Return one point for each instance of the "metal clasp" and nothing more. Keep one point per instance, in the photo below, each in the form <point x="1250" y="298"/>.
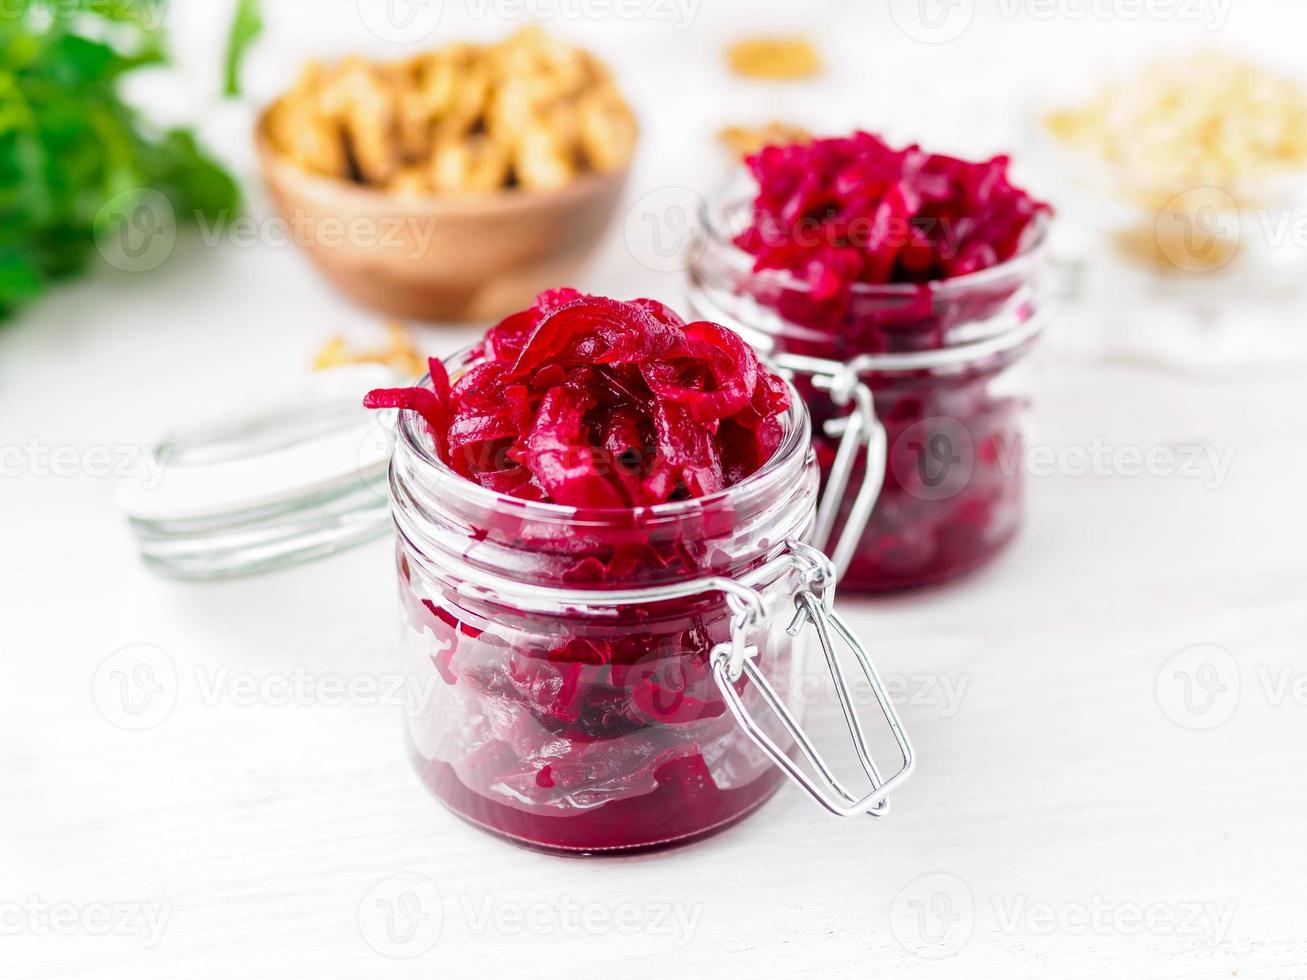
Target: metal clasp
<point x="813" y="603"/>
<point x="859" y="432"/>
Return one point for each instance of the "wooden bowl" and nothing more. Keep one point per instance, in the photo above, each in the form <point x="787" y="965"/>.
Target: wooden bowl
<point x="455" y="258"/>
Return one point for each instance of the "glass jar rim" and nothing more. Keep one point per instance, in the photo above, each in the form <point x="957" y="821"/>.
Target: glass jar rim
<point x="773" y="475"/>
<point x="713" y="208"/>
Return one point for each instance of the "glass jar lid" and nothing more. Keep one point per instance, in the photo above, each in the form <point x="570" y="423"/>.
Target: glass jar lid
<point x="281" y="483"/>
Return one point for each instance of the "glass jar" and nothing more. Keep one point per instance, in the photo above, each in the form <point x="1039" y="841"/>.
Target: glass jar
<point x="610" y="680"/>
<point x="919" y="395"/>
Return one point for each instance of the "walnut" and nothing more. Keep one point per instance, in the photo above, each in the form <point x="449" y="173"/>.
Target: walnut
<point x="544" y="159"/>
<point x="468" y="164"/>
<point x="744" y="141"/>
<point x="465" y="118"/>
<point x="360" y="97"/>
<point x="300" y="130"/>
<point x="774" y="58"/>
<point x="607" y="131"/>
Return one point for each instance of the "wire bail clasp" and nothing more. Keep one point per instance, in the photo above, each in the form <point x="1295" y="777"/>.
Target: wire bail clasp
<point x="813" y="602"/>
<point x="859" y="432"/>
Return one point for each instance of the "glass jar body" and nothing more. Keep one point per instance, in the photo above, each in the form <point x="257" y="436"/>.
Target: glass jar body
<point x="948" y="366"/>
<point x="561" y="682"/>
<point x="953" y="491"/>
<point x="585" y="730"/>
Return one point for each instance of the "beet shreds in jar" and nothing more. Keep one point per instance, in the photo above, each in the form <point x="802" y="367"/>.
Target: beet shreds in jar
<point x="601" y="513"/>
<point x="919" y="276"/>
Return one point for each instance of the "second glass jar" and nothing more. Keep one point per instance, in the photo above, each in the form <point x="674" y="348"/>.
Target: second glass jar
<point x="947" y="365"/>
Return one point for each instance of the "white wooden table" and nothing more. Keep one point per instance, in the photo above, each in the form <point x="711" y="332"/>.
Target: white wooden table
<point x="1078" y="810"/>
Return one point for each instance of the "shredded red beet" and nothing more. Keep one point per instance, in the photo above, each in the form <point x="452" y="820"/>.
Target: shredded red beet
<point x="591" y="402"/>
<point x="854" y="210"/>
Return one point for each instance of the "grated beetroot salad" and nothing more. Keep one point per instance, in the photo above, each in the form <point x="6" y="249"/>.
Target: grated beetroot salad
<point x="835" y="212"/>
<point x="592" y="726"/>
<point x="591" y="402"/>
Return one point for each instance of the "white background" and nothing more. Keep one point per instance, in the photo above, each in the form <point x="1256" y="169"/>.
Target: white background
<point x="1070" y="817"/>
